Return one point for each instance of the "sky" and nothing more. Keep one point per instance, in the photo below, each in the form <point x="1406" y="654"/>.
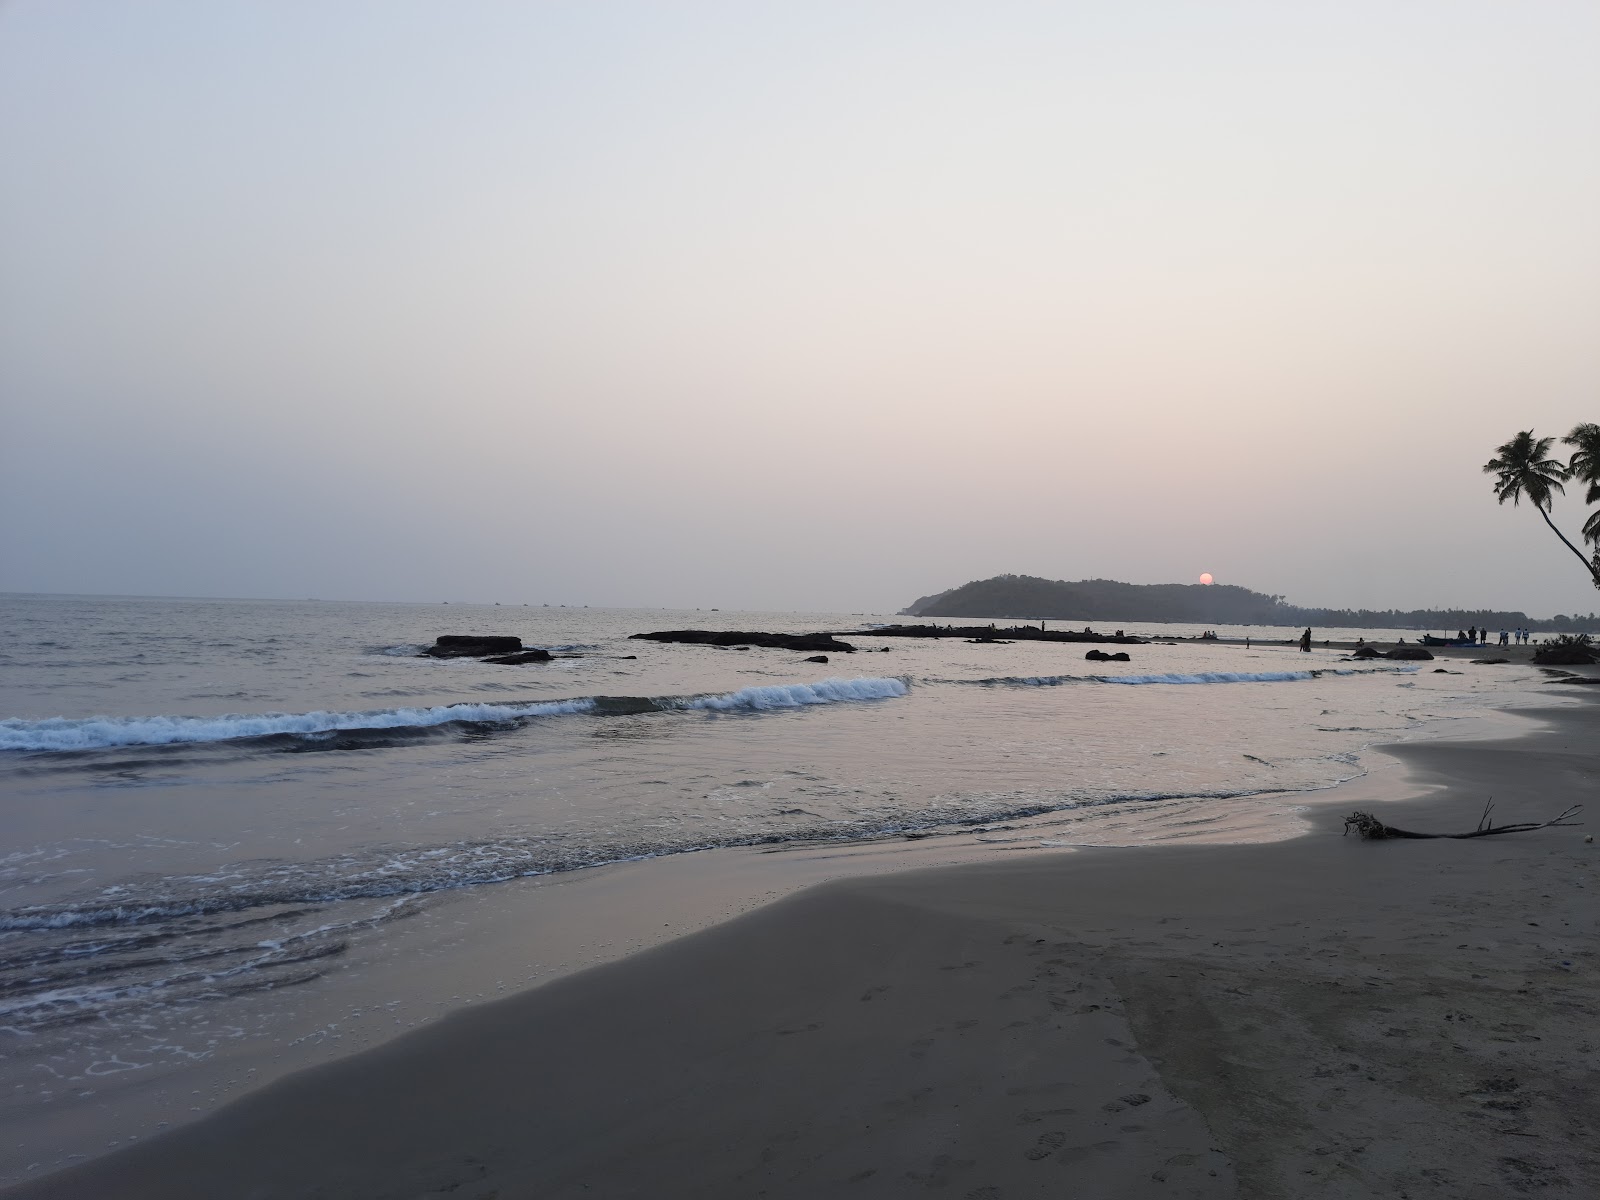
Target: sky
<point x="818" y="306"/>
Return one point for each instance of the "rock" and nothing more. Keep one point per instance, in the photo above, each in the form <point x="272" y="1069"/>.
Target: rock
<point x="1368" y="652"/>
<point x="821" y="658"/>
<point x="743" y="641"/>
<point x="1409" y="654"/>
<point x="456" y="645"/>
<point x="1489" y="662"/>
<point x="1020" y="633"/>
<point x="527" y="656"/>
<point x="1559" y="655"/>
<point x="984" y="641"/>
<point x="1102" y="656"/>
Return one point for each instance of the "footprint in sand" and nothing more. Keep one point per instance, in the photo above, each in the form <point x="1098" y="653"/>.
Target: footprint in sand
<point x="1047" y="1145"/>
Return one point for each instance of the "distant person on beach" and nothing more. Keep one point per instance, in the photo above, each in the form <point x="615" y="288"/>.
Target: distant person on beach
<point x="1305" y="642"/>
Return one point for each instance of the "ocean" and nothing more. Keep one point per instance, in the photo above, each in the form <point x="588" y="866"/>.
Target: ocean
<point x="220" y="813"/>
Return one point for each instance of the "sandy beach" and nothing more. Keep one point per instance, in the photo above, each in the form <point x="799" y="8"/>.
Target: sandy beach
<point x="1317" y="1017"/>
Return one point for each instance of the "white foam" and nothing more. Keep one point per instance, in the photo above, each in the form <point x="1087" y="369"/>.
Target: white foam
<point x="91" y="733"/>
<point x="95" y="733"/>
<point x="796" y="695"/>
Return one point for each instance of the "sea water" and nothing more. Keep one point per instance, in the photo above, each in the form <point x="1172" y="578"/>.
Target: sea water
<point x="211" y="801"/>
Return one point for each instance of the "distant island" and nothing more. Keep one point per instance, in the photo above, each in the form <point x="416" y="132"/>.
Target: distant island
<point x="1029" y="598"/>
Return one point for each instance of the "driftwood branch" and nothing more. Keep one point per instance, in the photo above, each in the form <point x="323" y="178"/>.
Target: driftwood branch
<point x="1368" y="826"/>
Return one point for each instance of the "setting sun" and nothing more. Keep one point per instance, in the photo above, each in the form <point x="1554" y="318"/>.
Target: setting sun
<point x="1206" y="578"/>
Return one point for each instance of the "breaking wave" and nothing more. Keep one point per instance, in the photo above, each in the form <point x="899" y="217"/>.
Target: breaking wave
<point x="795" y="695"/>
<point x="94" y="733"/>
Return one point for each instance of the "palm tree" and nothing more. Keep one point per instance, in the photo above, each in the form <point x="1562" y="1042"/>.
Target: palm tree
<point x="1585" y="467"/>
<point x="1523" y="467"/>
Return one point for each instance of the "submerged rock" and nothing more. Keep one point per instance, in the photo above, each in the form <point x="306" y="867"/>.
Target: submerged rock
<point x="1102" y="656"/>
<point x="821" y="658"/>
<point x="1368" y="652"/>
<point x="1409" y="654"/>
<point x="457" y="645"/>
<point x="527" y="656"/>
<point x="743" y="640"/>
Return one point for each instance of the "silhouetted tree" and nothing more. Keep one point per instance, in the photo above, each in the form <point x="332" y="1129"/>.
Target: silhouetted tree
<point x="1523" y="467"/>
<point x="1585" y="467"/>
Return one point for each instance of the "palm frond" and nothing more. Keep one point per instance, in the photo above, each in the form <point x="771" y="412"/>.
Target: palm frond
<point x="1523" y="467"/>
<point x="1585" y="461"/>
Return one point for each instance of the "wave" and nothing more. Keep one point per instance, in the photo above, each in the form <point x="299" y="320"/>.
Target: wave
<point x="288" y="889"/>
<point x="796" y="695"/>
<point x="95" y="733"/>
<point x="1198" y="677"/>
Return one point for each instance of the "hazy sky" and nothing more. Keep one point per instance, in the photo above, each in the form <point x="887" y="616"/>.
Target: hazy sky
<point x="807" y="305"/>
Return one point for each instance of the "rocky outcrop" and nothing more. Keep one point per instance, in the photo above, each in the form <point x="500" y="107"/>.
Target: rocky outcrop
<point x="1102" y="656"/>
<point x="1570" y="654"/>
<point x="1020" y="633"/>
<point x="527" y="656"/>
<point x="1402" y="653"/>
<point x="818" y="658"/>
<point x="743" y="640"/>
<point x="457" y="645"/>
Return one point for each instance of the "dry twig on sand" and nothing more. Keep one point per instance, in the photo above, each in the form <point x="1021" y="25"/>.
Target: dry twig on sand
<point x="1368" y="826"/>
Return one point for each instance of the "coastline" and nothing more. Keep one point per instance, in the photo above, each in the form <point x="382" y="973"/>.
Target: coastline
<point x="1305" y="1017"/>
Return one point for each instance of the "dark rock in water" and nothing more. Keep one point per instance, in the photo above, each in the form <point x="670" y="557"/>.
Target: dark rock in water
<point x="1102" y="656"/>
<point x="983" y="641"/>
<point x="1564" y="656"/>
<point x="527" y="656"/>
<point x="456" y="645"/>
<point x="1489" y="662"/>
<point x="822" y="658"/>
<point x="743" y="641"/>
<point x="1020" y="633"/>
<point x="1368" y="652"/>
<point x="1409" y="654"/>
<point x="627" y="656"/>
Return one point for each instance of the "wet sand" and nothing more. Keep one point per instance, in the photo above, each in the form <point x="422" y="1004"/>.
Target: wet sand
<point x="1318" y="1017"/>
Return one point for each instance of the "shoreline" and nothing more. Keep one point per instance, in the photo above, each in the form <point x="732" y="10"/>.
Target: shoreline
<point x="989" y="1024"/>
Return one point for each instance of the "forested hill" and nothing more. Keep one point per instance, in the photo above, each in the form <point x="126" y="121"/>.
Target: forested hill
<point x="1027" y="598"/>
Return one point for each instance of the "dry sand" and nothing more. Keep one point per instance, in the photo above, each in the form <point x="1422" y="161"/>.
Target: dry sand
<point x="1319" y="1017"/>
